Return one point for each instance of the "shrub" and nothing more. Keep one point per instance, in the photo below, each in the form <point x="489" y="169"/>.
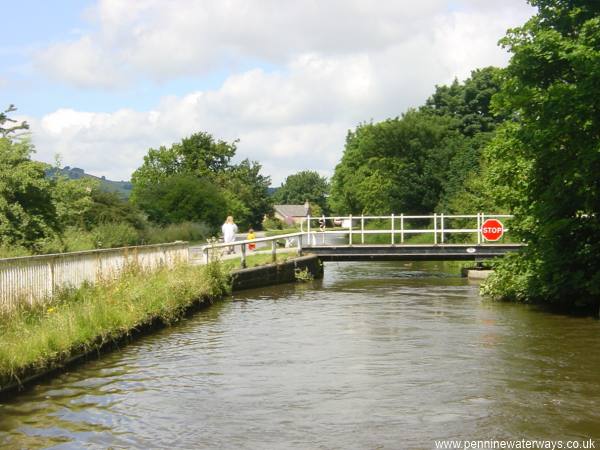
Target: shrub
<point x="185" y="231"/>
<point x="513" y="279"/>
<point x="111" y="235"/>
<point x="272" y="223"/>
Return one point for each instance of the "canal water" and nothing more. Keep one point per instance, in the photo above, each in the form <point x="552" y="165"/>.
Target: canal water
<point x="375" y="355"/>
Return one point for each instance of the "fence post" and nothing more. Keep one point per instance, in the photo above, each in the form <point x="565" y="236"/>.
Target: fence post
<point x="274" y="250"/>
<point x="299" y="245"/>
<point x="51" y="277"/>
<point x="350" y="236"/>
<point x="243" y="262"/>
<point x="362" y="228"/>
<point x="402" y="228"/>
<point x="478" y="228"/>
<point x="435" y="231"/>
<point x="393" y="230"/>
<point x="442" y="225"/>
<point x="205" y="250"/>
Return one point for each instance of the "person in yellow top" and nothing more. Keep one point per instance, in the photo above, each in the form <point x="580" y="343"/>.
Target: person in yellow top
<point x="251" y="236"/>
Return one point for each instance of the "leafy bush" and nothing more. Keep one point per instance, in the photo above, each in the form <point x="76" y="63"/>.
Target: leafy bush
<point x="272" y="223"/>
<point x="111" y="235"/>
<point x="185" y="231"/>
<point x="13" y="251"/>
<point x="513" y="279"/>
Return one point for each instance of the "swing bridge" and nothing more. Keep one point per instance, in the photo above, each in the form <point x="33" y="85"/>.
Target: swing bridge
<point x="432" y="237"/>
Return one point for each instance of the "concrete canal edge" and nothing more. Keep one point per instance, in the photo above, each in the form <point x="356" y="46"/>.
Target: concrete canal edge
<point x="277" y="273"/>
<point x="476" y="274"/>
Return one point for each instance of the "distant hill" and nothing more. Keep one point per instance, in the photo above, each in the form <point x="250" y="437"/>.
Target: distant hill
<point x="74" y="173"/>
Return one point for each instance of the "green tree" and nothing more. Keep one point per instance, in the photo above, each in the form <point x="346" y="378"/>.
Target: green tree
<point x="303" y="186"/>
<point x="199" y="155"/>
<point x="398" y="165"/>
<point x="27" y="211"/>
<point x="72" y="199"/>
<point x="241" y="189"/>
<point x="469" y="102"/>
<point x="247" y="192"/>
<point x="548" y="157"/>
<point x="183" y="197"/>
<point x="110" y="207"/>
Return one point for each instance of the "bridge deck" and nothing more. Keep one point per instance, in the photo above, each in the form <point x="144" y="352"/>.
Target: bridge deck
<point x="440" y="252"/>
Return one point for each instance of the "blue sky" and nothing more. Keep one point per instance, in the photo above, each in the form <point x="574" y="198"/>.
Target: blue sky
<point x="101" y="81"/>
<point x="31" y="26"/>
<point x="59" y="20"/>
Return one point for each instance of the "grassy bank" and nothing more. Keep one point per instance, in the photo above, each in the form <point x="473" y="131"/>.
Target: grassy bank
<point x="260" y="259"/>
<point x="80" y="320"/>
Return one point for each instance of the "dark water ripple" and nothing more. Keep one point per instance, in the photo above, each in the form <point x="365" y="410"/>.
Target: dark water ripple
<point x="374" y="356"/>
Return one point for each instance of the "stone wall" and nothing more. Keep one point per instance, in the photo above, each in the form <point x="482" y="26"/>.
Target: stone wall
<point x="277" y="273"/>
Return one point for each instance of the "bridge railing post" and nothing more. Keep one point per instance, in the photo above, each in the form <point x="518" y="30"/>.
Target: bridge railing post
<point x="362" y="229"/>
<point x="478" y="228"/>
<point x="393" y="229"/>
<point x="442" y="228"/>
<point x="435" y="231"/>
<point x="308" y="228"/>
<point x="243" y="261"/>
<point x="402" y="228"/>
<point x="274" y="250"/>
<point x="299" y="245"/>
<point x="350" y="235"/>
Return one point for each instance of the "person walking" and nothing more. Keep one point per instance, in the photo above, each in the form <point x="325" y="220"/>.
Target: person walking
<point x="229" y="229"/>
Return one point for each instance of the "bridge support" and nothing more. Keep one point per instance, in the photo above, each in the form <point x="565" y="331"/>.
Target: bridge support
<point x="446" y="252"/>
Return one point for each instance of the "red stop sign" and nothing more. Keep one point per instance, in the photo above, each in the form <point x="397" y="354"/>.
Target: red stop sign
<point x="492" y="229"/>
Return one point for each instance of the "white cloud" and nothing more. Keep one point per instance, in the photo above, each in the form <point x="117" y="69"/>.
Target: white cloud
<point x="82" y="63"/>
<point x="160" y="40"/>
<point x="334" y="64"/>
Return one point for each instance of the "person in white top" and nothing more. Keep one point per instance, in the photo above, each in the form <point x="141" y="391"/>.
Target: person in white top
<point x="229" y="229"/>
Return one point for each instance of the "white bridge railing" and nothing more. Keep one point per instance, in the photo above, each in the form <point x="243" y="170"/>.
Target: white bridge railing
<point x="313" y="233"/>
<point x="440" y="226"/>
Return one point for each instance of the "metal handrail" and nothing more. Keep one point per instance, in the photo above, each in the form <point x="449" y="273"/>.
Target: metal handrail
<point x="439" y="231"/>
<point x="273" y="239"/>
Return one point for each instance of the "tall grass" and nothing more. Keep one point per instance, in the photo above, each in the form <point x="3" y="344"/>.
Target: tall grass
<point x="185" y="231"/>
<point x="111" y="235"/>
<point x="79" y="320"/>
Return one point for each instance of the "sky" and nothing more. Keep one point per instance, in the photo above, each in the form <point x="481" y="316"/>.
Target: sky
<point x="101" y="82"/>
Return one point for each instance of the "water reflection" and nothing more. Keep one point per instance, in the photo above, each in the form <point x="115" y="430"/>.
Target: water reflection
<point x="376" y="355"/>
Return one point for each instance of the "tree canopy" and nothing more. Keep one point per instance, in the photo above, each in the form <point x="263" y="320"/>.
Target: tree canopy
<point x="306" y="185"/>
<point x="424" y="160"/>
<point x="547" y="157"/>
<point x="27" y="211"/>
<point x="394" y="166"/>
<point x="202" y="165"/>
